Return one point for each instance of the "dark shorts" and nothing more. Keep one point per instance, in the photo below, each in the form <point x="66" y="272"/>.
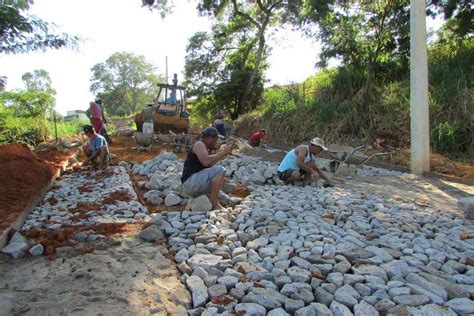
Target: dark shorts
<point x="254" y="143"/>
<point x="286" y="175"/>
<point x="221" y="129"/>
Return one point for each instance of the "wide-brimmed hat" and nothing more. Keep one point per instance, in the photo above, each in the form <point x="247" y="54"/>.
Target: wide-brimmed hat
<point x="319" y="142"/>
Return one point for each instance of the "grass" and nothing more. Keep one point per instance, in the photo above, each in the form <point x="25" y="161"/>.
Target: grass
<point x="347" y="106"/>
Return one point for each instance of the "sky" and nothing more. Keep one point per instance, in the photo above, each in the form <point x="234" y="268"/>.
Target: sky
<point x="110" y="26"/>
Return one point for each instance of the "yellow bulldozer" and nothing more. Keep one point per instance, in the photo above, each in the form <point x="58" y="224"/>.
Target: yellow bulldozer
<point x="168" y="111"/>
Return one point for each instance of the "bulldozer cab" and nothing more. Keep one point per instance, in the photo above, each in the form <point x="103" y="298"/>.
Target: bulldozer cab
<point x="168" y="111"/>
<point x="171" y="100"/>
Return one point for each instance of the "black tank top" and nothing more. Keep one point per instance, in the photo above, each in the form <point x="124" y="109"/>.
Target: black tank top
<point x="191" y="166"/>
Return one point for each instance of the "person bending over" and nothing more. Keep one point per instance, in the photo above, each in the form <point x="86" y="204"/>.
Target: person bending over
<point x="96" y="150"/>
<point x="299" y="163"/>
<point x="200" y="176"/>
<point x="259" y="137"/>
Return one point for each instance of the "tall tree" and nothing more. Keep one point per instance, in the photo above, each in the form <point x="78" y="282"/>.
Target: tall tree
<point x="125" y="82"/>
<point x="371" y="35"/>
<point x="38" y="80"/>
<point x="218" y="66"/>
<point x="22" y="33"/>
<point x="259" y="15"/>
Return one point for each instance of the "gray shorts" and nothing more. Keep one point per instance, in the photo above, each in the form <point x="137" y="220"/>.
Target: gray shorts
<point x="200" y="182"/>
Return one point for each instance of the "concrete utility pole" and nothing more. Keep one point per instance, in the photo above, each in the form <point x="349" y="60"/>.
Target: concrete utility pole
<point x="420" y="126"/>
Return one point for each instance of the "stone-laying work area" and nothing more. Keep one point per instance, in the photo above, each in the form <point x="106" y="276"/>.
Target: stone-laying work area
<point x="281" y="250"/>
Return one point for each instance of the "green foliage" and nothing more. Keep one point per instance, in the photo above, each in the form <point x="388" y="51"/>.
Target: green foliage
<point x="21" y="129"/>
<point x="67" y="128"/>
<point x="27" y="103"/>
<point x="449" y="138"/>
<point x="342" y="103"/>
<point x="218" y="67"/>
<point x="230" y="62"/>
<point x="125" y="83"/>
<point x="21" y="33"/>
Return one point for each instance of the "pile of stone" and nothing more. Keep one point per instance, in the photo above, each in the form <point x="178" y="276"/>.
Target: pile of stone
<point x="292" y="250"/>
<point x="251" y="170"/>
<point x="83" y="199"/>
<point x="123" y="131"/>
<point x="164" y="184"/>
<point x="164" y="172"/>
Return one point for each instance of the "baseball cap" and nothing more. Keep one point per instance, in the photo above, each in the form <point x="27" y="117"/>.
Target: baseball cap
<point x="88" y="128"/>
<point x="319" y="142"/>
<point x="209" y="131"/>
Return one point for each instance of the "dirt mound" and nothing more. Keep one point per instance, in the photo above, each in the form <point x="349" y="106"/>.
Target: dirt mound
<point x="23" y="176"/>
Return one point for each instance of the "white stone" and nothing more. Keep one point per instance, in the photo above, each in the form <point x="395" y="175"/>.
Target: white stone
<point x="198" y="290"/>
<point x="204" y="261"/>
<point x="251" y="309"/>
<point x="201" y="203"/>
<point x="16" y="247"/>
<point x="172" y="199"/>
<point x="36" y="250"/>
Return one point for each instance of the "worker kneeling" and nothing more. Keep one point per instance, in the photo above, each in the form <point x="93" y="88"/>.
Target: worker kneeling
<point x="299" y="163"/>
<point x="200" y="176"/>
<point x="96" y="150"/>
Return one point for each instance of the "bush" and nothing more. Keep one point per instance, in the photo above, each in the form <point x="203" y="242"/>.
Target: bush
<point x="348" y="106"/>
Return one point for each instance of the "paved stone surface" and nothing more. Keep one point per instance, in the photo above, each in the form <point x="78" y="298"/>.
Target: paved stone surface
<point x="302" y="250"/>
<point x="355" y="252"/>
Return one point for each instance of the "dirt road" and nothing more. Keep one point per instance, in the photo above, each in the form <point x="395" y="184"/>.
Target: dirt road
<point x="127" y="277"/>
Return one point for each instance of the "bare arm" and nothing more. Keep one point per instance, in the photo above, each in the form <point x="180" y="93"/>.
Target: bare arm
<point x="208" y="160"/>
<point x="322" y="174"/>
<point x="313" y="169"/>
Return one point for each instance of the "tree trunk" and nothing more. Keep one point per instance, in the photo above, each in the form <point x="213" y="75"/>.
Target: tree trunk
<point x="248" y="86"/>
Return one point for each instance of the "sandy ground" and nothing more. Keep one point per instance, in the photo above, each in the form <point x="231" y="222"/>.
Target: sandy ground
<point x="433" y="193"/>
<point x="128" y="277"/>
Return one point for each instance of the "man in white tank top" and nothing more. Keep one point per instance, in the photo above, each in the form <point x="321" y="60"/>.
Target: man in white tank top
<point x="299" y="163"/>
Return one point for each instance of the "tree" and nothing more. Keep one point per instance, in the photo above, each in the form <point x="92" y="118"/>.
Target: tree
<point x="125" y="82"/>
<point x="38" y="80"/>
<point x="371" y="35"/>
<point x="259" y="16"/>
<point x="22" y="33"/>
<point x="459" y="14"/>
<point x="218" y="66"/>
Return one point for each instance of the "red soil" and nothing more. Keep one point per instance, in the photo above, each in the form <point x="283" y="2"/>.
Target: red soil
<point x="64" y="237"/>
<point x="22" y="176"/>
<point x="54" y="157"/>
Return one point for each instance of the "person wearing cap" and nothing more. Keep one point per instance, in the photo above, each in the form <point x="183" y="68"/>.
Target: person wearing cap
<point x="200" y="176"/>
<point x="96" y="150"/>
<point x="299" y="163"/>
<point x="257" y="138"/>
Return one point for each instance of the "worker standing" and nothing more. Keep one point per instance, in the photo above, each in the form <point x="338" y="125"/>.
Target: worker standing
<point x="103" y="132"/>
<point x="96" y="117"/>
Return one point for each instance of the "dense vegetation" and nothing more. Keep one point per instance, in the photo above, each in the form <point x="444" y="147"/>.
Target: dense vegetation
<point x="365" y="98"/>
<point x="28" y="116"/>
<point x="344" y="105"/>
